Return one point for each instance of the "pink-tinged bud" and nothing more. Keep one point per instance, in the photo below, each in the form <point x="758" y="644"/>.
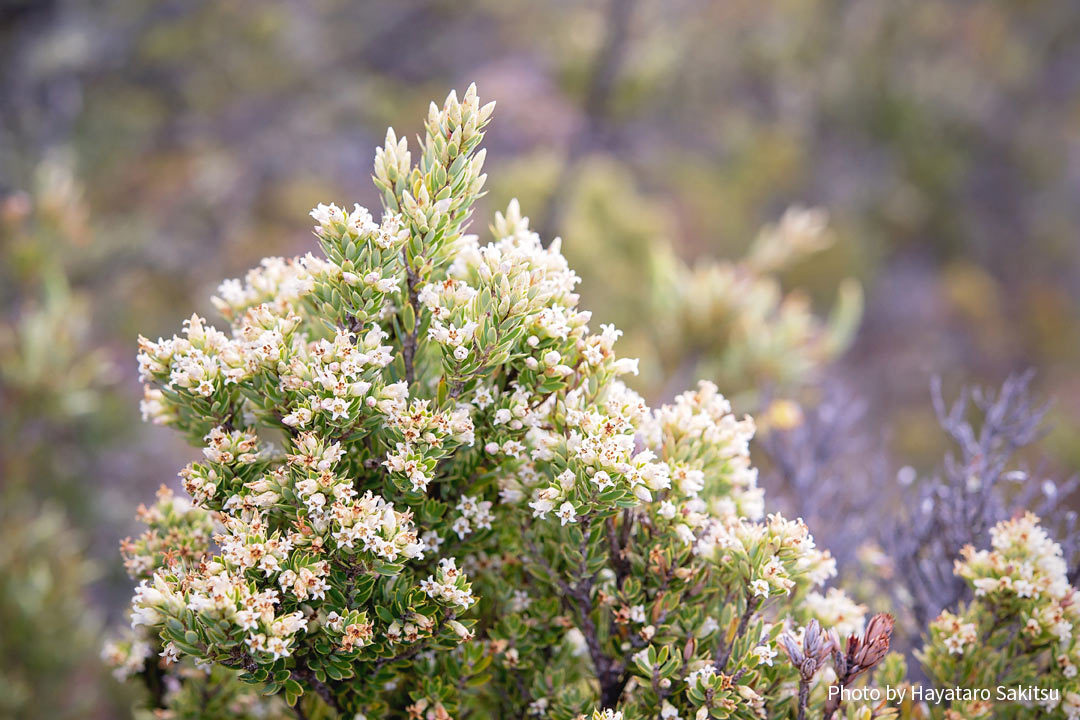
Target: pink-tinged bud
<point x="863" y="654"/>
<point x="462" y="632"/>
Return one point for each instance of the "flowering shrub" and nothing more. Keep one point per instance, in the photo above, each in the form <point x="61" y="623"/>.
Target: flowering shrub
<point x="1017" y="632"/>
<point x="424" y="491"/>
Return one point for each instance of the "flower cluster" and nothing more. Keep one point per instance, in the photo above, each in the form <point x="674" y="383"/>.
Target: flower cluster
<point x="1018" y="629"/>
<point x="416" y="396"/>
<point x="177" y="532"/>
<point x="836" y="610"/>
<point x="126" y="656"/>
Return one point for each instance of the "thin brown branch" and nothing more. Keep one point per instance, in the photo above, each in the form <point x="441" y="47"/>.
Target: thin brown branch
<point x="804" y="698"/>
<point x="303" y="674"/>
<point x="154" y="679"/>
<point x="577" y="599"/>
<point x="616" y="547"/>
<point x="722" y="657"/>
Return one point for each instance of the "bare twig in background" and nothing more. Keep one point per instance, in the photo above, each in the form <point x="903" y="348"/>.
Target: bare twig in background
<point x="828" y="471"/>
<point x="976" y="488"/>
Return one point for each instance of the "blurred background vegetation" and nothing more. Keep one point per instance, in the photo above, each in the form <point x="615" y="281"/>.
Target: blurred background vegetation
<point x="150" y="149"/>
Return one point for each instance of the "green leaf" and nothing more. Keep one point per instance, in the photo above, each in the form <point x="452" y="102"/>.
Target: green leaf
<point x="478" y="680"/>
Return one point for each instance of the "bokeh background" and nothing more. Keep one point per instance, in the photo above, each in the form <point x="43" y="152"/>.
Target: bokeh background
<point x="150" y="149"/>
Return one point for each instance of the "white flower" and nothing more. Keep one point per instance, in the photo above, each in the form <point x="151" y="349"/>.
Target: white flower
<point x="626" y="366"/>
<point x="538" y="706"/>
<point x="520" y="600"/>
<point x="326" y="215"/>
<point x="764" y="654"/>
<point x="298" y="418"/>
<point x="337" y="407"/>
<point x="567" y="513"/>
<point x="541" y="507"/>
<point x="461" y="527"/>
<point x="695" y="678"/>
<point x="482" y="397"/>
<point x="955" y="644"/>
<point x="170" y="653"/>
<point x="608" y="714"/>
<point x="760" y="587"/>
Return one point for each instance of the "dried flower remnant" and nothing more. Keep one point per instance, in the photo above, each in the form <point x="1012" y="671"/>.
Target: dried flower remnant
<point x="861" y="654"/>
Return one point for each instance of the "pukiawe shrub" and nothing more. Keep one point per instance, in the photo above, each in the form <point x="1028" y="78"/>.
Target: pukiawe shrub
<point x="426" y="493"/>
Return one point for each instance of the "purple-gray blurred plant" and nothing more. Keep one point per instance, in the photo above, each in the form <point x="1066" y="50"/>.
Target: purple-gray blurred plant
<point x="818" y="467"/>
<point x="979" y="485"/>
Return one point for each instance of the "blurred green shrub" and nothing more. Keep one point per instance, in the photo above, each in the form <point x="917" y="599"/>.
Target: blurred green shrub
<point x="48" y="633"/>
<point x="732" y="321"/>
<point x="56" y="420"/>
<point x="52" y="372"/>
<point x="729" y="321"/>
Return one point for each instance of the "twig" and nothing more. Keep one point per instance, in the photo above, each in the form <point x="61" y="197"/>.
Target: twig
<point x="153" y="678"/>
<point x="804" y="697"/>
<point x="622" y="567"/>
<point x="577" y="599"/>
<point x="322" y="689"/>
<point x="722" y="657"/>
